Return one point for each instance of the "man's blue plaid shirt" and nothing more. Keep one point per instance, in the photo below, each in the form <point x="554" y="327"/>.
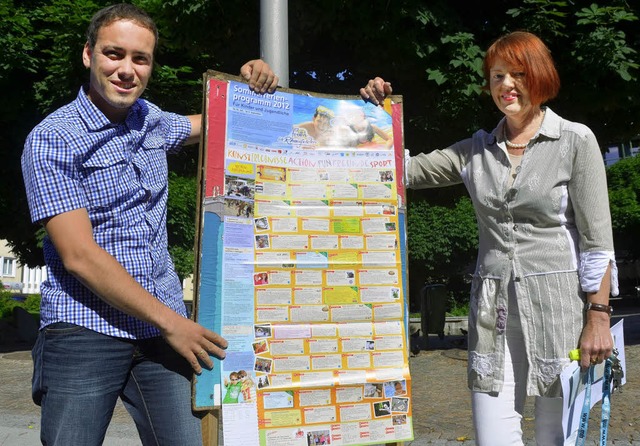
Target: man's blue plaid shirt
<point x="76" y="158"/>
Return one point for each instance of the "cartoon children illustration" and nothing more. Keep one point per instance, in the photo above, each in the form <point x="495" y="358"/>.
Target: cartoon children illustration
<point x="233" y="386"/>
<point x="248" y="387"/>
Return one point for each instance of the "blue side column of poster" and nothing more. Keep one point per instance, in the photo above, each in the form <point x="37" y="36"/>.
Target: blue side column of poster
<point x="209" y="309"/>
<point x="402" y="229"/>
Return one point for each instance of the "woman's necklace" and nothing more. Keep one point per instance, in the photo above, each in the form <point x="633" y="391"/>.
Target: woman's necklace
<point x="514" y="145"/>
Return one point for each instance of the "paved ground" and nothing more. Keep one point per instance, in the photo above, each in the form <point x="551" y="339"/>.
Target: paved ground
<point x="442" y="411"/>
<point x="442" y="407"/>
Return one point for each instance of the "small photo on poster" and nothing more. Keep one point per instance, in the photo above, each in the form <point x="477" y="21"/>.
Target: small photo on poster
<point x="395" y="388"/>
<point x="399" y="419"/>
<point x="386" y="176"/>
<point x="236" y="207"/>
<point x="261" y="223"/>
<point x="239" y="187"/>
<point x="262" y="331"/>
<point x="388" y="209"/>
<point x="319" y="437"/>
<point x="373" y="390"/>
<point x="261" y="278"/>
<point x="271" y="173"/>
<point x="261" y="346"/>
<point x="382" y="408"/>
<point x="262" y="365"/>
<point x="399" y="404"/>
<point x="263" y="382"/>
<point x="262" y="241"/>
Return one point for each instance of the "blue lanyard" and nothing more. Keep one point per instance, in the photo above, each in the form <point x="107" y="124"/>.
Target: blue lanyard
<point x="586" y="407"/>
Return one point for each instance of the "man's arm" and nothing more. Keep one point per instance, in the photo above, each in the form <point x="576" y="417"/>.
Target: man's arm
<point x="72" y="235"/>
<point x="196" y="129"/>
<point x="261" y="79"/>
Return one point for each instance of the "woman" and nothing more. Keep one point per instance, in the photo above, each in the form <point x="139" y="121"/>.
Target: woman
<point x="545" y="263"/>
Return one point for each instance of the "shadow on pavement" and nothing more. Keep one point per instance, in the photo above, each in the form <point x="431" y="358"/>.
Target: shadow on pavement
<point x="12" y="339"/>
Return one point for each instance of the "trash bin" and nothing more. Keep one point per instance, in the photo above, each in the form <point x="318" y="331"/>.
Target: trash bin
<point x="433" y="303"/>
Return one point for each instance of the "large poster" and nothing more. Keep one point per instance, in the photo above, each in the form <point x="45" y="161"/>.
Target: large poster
<point x="301" y="267"/>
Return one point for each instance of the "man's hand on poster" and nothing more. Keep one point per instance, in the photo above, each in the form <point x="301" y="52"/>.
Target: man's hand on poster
<point x="260" y="76"/>
<point x="194" y="342"/>
<point x="376" y="90"/>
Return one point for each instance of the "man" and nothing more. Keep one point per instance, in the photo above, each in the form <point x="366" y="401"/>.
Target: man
<point x="113" y="323"/>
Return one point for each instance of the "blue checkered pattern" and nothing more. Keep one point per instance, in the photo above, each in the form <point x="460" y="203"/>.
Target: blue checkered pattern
<point x="76" y="158"/>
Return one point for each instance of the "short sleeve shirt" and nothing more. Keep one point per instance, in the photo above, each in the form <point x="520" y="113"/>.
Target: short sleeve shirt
<point x="76" y="158"/>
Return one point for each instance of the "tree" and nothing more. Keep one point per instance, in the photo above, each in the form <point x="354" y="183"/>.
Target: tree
<point x="431" y="51"/>
<point x="42" y="43"/>
<point x="181" y="211"/>
<point x="623" y="179"/>
<point x="442" y="245"/>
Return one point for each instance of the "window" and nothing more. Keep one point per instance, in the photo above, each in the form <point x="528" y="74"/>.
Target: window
<point x="8" y="267"/>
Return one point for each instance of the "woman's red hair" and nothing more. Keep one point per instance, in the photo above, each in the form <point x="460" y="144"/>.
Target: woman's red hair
<point x="526" y="50"/>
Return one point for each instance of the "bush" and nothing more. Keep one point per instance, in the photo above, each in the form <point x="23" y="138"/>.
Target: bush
<point x="456" y="306"/>
<point x="32" y="303"/>
<point x="6" y="305"/>
<point x="8" y="302"/>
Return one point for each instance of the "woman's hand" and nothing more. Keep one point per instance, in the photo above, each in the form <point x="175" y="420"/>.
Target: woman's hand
<point x="596" y="342"/>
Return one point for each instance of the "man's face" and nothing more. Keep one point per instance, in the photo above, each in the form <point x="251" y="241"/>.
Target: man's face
<point x="121" y="63"/>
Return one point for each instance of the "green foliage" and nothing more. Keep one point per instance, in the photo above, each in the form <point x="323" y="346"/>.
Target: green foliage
<point x="596" y="49"/>
<point x="17" y="40"/>
<point x="181" y="218"/>
<point x="442" y="246"/>
<point x="457" y="306"/>
<point x="604" y="45"/>
<point x="183" y="260"/>
<point x="32" y="303"/>
<point x="542" y="17"/>
<point x="61" y="25"/>
<point x="444" y="238"/>
<point x="430" y="51"/>
<point x="7" y="304"/>
<point x="624" y="199"/>
<point x="168" y="80"/>
<point x="463" y="73"/>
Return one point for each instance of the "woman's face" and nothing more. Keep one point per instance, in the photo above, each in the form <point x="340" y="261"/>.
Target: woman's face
<point x="508" y="89"/>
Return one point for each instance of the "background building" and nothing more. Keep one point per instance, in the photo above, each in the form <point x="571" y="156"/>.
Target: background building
<point x="614" y="154"/>
<point x="16" y="277"/>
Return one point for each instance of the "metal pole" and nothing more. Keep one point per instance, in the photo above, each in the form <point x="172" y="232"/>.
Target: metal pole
<point x="274" y="37"/>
